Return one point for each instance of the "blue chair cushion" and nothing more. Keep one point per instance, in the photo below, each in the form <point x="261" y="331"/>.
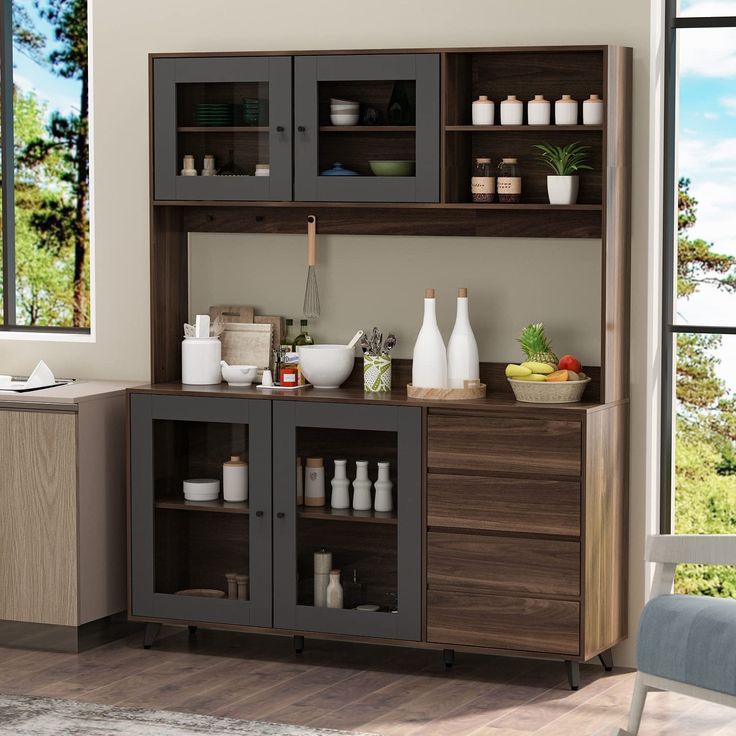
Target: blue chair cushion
<point x="691" y="639"/>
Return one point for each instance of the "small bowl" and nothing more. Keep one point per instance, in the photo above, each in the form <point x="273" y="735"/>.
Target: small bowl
<point x="201" y="489"/>
<point x="326" y="366"/>
<point x="392" y="168"/>
<point x="238" y="375"/>
<point x="337" y="101"/>
<point x="342" y="118"/>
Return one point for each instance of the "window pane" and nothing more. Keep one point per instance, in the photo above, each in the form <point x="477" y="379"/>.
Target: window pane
<point x="706" y="167"/>
<point x="51" y="163"/>
<point x="709" y="8"/>
<point x="705" y="452"/>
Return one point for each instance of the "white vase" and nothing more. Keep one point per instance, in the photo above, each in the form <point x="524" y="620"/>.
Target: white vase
<point x="334" y="590"/>
<point x="362" y="487"/>
<point x="314" y="482"/>
<point x="429" y="361"/>
<point x="462" y="350"/>
<point x="566" y="111"/>
<point x="384" y="498"/>
<point x="483" y="111"/>
<point x="538" y="111"/>
<point x="340" y="498"/>
<point x="593" y="111"/>
<point x="235" y="480"/>
<point x="512" y="111"/>
<point x="563" y="189"/>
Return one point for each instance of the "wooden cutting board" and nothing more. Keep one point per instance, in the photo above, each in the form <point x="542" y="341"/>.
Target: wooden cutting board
<point x="278" y="331"/>
<point x="247" y="344"/>
<point x="232" y="313"/>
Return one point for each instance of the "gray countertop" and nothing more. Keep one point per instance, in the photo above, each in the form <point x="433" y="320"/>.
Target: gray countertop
<point x="67" y="396"/>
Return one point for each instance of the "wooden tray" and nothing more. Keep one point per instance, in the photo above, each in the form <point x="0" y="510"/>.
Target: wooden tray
<point x="472" y="390"/>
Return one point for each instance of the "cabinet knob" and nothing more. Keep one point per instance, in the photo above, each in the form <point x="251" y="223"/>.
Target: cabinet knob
<point x="280" y="515"/>
<point x="280" y="129"/>
<point x="301" y="129"/>
<point x="259" y="513"/>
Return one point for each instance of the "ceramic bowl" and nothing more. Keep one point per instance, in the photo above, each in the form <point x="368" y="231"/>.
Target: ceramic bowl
<point x="239" y="375"/>
<point x="201" y="489"/>
<point x="392" y="168"/>
<point x="342" y="118"/>
<point x="335" y="101"/>
<point x="326" y="366"/>
<point x="347" y="109"/>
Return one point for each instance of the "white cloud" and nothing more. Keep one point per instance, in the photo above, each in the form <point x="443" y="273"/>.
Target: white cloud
<point x="694" y="8"/>
<point x="729" y="103"/>
<point x="708" y="52"/>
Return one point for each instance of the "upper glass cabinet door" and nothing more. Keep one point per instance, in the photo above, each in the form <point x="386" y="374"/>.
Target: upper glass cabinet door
<point x="367" y="128"/>
<point x="222" y="128"/>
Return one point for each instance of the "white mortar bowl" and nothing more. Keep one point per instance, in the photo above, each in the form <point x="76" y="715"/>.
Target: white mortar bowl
<point x="239" y="375"/>
<point x="326" y="366"/>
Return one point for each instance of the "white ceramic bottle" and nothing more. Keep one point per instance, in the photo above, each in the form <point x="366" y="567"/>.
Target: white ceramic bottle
<point x="538" y="111"/>
<point x="512" y="111"/>
<point x="483" y="111"/>
<point x="340" y="498"/>
<point x="314" y="482"/>
<point x="429" y="363"/>
<point x="384" y="499"/>
<point x="462" y="350"/>
<point x="235" y="480"/>
<point x="334" y="590"/>
<point x="593" y="111"/>
<point x="566" y="111"/>
<point x="362" y="487"/>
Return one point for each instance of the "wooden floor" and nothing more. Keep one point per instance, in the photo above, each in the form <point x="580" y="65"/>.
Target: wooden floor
<point x="390" y="691"/>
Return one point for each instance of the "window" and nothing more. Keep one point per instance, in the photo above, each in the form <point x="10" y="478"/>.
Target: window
<point x="699" y="286"/>
<point x="45" y="280"/>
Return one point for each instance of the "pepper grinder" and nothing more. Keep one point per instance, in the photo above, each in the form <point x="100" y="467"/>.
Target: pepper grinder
<point x="242" y="581"/>
<point x="232" y="585"/>
<point x="322" y="567"/>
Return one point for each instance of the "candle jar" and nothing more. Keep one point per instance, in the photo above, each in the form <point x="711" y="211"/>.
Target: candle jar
<point x="483" y="181"/>
<point x="314" y="482"/>
<point x="509" y="181"/>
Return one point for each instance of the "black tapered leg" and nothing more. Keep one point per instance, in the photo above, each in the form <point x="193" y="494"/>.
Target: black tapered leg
<point x="448" y="656"/>
<point x="192" y="630"/>
<point x="606" y="659"/>
<point x="298" y="644"/>
<point x="150" y="634"/>
<point x="573" y="674"/>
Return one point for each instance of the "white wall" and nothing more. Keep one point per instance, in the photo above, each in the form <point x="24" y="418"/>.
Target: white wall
<point x="123" y="33"/>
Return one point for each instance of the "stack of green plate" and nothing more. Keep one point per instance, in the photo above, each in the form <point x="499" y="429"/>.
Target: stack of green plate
<point x="213" y="114"/>
<point x="250" y="111"/>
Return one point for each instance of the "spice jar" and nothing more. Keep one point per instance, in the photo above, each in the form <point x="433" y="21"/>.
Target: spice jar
<point x="509" y="181"/>
<point x="483" y="181"/>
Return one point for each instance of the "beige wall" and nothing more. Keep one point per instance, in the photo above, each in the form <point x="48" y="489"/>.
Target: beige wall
<point x="124" y="33"/>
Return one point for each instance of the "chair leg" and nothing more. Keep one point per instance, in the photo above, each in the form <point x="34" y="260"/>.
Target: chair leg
<point x="637" y="706"/>
<point x="150" y="634"/>
<point x="606" y="659"/>
<point x="573" y="674"/>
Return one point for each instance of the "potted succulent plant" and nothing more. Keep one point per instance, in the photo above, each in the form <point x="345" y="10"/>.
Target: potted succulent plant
<point x="565" y="161"/>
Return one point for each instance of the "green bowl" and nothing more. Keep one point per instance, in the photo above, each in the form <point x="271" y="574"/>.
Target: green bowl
<point x="392" y="168"/>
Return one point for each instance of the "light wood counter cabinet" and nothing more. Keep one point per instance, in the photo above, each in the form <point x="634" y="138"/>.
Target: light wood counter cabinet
<point x="62" y="526"/>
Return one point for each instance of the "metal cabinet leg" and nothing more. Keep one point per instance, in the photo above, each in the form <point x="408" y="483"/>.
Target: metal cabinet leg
<point x="298" y="644"/>
<point x="448" y="656"/>
<point x="606" y="659"/>
<point x="150" y="634"/>
<point x="573" y="674"/>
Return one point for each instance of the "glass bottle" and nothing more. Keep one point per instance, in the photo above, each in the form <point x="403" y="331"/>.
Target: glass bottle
<point x="303" y="338"/>
<point x="483" y="181"/>
<point x="334" y="590"/>
<point x="286" y="339"/>
<point x="508" y="182"/>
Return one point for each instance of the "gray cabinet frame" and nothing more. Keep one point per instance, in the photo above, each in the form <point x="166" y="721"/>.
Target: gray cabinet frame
<point x="407" y="423"/>
<point x="167" y="74"/>
<point x="309" y="71"/>
<point x="145" y="601"/>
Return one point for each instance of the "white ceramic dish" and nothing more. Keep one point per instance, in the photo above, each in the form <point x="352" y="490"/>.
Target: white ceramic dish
<point x="238" y="375"/>
<point x="337" y="101"/>
<point x="201" y="489"/>
<point x="341" y="118"/>
<point x="326" y="366"/>
<point x="369" y="607"/>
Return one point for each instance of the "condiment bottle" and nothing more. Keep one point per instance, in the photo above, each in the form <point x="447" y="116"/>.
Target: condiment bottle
<point x="508" y="182"/>
<point x="483" y="111"/>
<point x="483" y="181"/>
<point x="303" y="338"/>
<point x="334" y="590"/>
<point x="287" y="341"/>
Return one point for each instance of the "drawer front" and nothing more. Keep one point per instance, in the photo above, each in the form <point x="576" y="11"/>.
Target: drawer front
<point x="503" y="622"/>
<point x="504" y="504"/>
<point x="488" y="445"/>
<point x="503" y="564"/>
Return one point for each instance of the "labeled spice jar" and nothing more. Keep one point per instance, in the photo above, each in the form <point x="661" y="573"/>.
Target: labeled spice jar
<point x="483" y="181"/>
<point x="508" y="183"/>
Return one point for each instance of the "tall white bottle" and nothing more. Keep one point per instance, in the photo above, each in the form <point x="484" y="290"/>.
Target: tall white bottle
<point x="429" y="364"/>
<point x="462" y="350"/>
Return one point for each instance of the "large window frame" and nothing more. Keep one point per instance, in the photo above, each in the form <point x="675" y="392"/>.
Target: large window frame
<point x="670" y="329"/>
<point x="7" y="159"/>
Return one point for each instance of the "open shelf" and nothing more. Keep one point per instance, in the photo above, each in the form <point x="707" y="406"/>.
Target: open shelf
<point x="367" y="128"/>
<point x="223" y="129"/>
<point x="218" y="506"/>
<point x="519" y="128"/>
<point x="330" y="514"/>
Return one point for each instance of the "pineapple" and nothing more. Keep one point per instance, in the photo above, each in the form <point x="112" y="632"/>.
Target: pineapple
<point x="536" y="345"/>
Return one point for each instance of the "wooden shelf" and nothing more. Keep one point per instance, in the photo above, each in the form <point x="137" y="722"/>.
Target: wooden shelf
<point x="524" y="206"/>
<point x="329" y="514"/>
<point x="218" y="506"/>
<point x="367" y="128"/>
<point x="223" y="129"/>
<point x="520" y="128"/>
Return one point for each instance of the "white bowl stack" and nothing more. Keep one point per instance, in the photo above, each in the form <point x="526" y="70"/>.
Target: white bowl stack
<point x="344" y="112"/>
<point x="201" y="489"/>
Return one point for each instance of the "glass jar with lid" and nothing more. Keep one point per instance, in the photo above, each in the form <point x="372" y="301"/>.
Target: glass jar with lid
<point x="483" y="181"/>
<point x="509" y="181"/>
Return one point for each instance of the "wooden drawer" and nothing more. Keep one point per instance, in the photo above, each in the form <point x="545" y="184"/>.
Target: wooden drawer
<point x="503" y="622"/>
<point x="504" y="504"/>
<point x="503" y="564"/>
<point x="487" y="445"/>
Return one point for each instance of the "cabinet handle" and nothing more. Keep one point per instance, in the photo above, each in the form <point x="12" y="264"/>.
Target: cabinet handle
<point x="259" y="513"/>
<point x="280" y="129"/>
<point x="301" y="129"/>
<point x="280" y="515"/>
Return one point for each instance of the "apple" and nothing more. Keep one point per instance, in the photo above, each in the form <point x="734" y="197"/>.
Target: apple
<point x="570" y="363"/>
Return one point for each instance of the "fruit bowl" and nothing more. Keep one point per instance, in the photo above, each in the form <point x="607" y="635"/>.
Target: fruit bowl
<point x="547" y="392"/>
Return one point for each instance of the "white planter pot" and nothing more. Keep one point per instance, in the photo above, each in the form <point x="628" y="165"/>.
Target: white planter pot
<point x="563" y="189"/>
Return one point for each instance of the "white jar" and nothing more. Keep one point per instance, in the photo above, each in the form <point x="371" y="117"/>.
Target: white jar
<point x="362" y="487"/>
<point x="566" y="111"/>
<point x="340" y="498"/>
<point x="512" y="111"/>
<point x="538" y="111"/>
<point x="384" y="499"/>
<point x="235" y="480"/>
<point x="200" y="361"/>
<point x="334" y="590"/>
<point x="593" y="111"/>
<point x="483" y="111"/>
<point x="314" y="482"/>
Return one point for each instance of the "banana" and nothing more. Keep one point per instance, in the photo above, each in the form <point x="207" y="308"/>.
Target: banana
<point x="544" y="368"/>
<point x="517" y="371"/>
